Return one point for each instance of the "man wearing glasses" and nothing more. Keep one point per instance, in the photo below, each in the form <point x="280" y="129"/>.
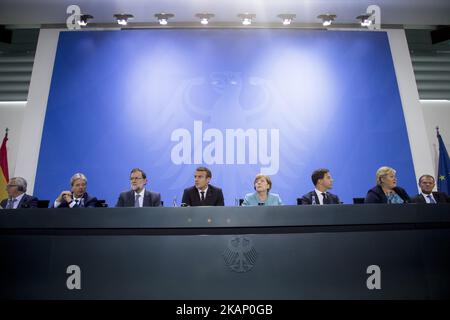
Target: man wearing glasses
<point x="17" y="197"/>
<point x="138" y="196"/>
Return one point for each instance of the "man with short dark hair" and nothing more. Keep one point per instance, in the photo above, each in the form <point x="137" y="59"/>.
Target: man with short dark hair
<point x="76" y="197"/>
<point x="138" y="196"/>
<point x="203" y="193"/>
<point x="17" y="197"/>
<point x="323" y="181"/>
<point x="426" y="184"/>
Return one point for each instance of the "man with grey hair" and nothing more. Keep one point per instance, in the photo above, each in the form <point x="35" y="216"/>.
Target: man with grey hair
<point x="427" y="195"/>
<point x="77" y="197"/>
<point x="17" y="197"/>
<point x="138" y="196"/>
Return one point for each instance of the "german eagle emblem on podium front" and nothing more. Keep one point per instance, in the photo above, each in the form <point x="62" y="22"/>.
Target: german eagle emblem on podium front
<point x="240" y="256"/>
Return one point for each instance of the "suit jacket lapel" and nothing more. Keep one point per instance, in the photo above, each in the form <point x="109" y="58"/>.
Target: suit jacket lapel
<point x="195" y="196"/>
<point x="436" y="196"/>
<point x="209" y="195"/>
<point x="130" y="199"/>
<point x="316" y="198"/>
<point x="422" y="197"/>
<point x="85" y="200"/>
<point x="147" y="199"/>
<point x="21" y="201"/>
<point x="381" y="194"/>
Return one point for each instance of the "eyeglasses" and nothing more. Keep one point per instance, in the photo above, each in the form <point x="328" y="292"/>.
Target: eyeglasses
<point x="11" y="185"/>
<point x="135" y="178"/>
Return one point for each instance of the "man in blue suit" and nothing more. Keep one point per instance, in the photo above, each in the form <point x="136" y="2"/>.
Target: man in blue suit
<point x="17" y="197"/>
<point x="138" y="196"/>
<point x="77" y="197"/>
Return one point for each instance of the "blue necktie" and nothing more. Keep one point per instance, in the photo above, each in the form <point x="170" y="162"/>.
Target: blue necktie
<point x="431" y="199"/>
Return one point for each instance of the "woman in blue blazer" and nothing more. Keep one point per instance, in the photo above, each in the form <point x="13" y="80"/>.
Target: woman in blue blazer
<point x="262" y="196"/>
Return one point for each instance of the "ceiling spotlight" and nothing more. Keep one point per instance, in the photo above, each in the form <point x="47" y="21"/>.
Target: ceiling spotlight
<point x="286" y="18"/>
<point x="365" y="19"/>
<point x="122" y="18"/>
<point x="84" y="19"/>
<point x="204" y="17"/>
<point x="246" y="18"/>
<point x="327" y="19"/>
<point x="163" y="17"/>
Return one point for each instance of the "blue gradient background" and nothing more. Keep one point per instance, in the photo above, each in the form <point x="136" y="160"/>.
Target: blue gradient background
<point x="116" y="97"/>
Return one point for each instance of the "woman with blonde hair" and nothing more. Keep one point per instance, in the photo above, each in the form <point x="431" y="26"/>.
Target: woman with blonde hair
<point x="262" y="197"/>
<point x="386" y="190"/>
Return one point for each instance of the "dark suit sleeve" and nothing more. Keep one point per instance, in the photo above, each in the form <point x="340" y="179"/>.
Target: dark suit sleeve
<point x="63" y="204"/>
<point x="417" y="199"/>
<point x="120" y="201"/>
<point x="33" y="202"/>
<point x="404" y="195"/>
<point x="306" y="200"/>
<point x="91" y="202"/>
<point x="156" y="199"/>
<point x="186" y="197"/>
<point x="3" y="203"/>
<point x="372" y="197"/>
<point x="338" y="201"/>
<point x="220" y="199"/>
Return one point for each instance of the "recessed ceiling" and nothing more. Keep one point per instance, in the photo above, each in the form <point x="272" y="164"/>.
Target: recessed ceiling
<point x="399" y="12"/>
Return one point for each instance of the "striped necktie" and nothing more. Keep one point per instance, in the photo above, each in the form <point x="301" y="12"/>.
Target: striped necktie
<point x="136" y="200"/>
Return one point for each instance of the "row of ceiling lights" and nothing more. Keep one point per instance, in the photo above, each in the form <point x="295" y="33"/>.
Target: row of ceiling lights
<point x="246" y="18"/>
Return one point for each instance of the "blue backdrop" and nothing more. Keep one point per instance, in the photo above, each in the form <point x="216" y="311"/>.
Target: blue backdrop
<point x="283" y="102"/>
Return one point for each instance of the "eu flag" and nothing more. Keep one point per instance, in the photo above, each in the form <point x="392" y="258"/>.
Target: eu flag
<point x="443" y="181"/>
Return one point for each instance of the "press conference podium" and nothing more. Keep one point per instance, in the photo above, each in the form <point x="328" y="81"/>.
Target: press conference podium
<point x="289" y="252"/>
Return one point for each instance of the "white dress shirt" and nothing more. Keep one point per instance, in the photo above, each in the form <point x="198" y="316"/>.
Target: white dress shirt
<point x="16" y="203"/>
<point x="427" y="200"/>
<point x="141" y="197"/>
<point x="319" y="195"/>
<point x="56" y="204"/>
<point x="200" y="195"/>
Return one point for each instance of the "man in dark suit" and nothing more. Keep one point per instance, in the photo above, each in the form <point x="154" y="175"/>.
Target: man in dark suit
<point x="426" y="184"/>
<point x="138" y="196"/>
<point x="323" y="181"/>
<point x="77" y="197"/>
<point x="17" y="197"/>
<point x="203" y="193"/>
